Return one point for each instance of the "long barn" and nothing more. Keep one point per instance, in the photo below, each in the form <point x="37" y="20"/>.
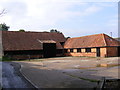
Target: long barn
<point x="24" y="45"/>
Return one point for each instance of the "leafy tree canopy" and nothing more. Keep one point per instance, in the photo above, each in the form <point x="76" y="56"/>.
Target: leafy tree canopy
<point x="68" y="37"/>
<point x="22" y="30"/>
<point x="4" y="27"/>
<point x="2" y="12"/>
<point x="54" y="30"/>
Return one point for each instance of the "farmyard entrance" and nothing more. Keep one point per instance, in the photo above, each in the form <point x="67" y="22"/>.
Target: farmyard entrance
<point x="49" y="50"/>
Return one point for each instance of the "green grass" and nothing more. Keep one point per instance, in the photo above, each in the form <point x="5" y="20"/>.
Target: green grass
<point x="87" y="79"/>
<point x="92" y="70"/>
<point x="33" y="60"/>
<point x="5" y="59"/>
<point x="10" y="59"/>
<point x="0" y="58"/>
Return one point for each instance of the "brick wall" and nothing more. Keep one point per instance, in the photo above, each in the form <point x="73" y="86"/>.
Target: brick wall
<point x="112" y="51"/>
<point x="108" y="51"/>
<point x="103" y="52"/>
<point x="93" y="50"/>
<point x="82" y="53"/>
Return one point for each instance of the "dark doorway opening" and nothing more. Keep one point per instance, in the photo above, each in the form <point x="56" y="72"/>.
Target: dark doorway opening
<point x="98" y="52"/>
<point x="118" y="51"/>
<point x="49" y="50"/>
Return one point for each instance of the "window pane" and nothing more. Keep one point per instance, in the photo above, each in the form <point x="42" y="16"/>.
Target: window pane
<point x="71" y="50"/>
<point x="88" y="49"/>
<point x="78" y="50"/>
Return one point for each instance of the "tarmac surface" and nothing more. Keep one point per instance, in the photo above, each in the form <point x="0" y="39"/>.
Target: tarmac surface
<point x="69" y="72"/>
<point x="12" y="78"/>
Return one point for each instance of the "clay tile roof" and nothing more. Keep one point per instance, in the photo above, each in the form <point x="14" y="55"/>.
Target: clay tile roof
<point x="111" y="41"/>
<point x="47" y="41"/>
<point x="97" y="40"/>
<point x="15" y="40"/>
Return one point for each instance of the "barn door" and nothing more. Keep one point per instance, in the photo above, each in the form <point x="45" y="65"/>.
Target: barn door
<point x="98" y="52"/>
<point x="49" y="50"/>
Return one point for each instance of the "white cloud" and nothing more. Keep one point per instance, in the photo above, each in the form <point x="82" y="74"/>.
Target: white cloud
<point x="39" y="12"/>
<point x="92" y="9"/>
<point x="33" y="14"/>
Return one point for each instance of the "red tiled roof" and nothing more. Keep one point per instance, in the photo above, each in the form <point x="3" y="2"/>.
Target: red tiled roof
<point x="111" y="41"/>
<point x="15" y="40"/>
<point x="97" y="40"/>
<point x="46" y="41"/>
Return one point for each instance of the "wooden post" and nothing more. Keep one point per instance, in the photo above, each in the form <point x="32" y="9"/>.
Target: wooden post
<point x="29" y="57"/>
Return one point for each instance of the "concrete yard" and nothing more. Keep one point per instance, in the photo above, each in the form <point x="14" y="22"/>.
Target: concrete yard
<point x="69" y="72"/>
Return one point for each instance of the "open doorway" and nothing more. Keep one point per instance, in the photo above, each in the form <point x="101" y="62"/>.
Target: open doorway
<point x="49" y="50"/>
<point x="98" y="51"/>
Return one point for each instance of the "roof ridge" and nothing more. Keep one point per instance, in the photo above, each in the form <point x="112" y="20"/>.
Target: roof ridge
<point x="86" y="36"/>
<point x="31" y="32"/>
<point x="27" y="31"/>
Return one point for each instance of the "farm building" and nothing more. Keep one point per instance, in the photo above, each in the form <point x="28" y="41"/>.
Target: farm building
<point x="98" y="45"/>
<point x="25" y="45"/>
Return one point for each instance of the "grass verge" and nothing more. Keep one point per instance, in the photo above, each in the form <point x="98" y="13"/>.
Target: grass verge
<point x="87" y="79"/>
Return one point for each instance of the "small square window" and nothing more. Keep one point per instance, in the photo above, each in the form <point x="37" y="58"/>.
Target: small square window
<point x="71" y="50"/>
<point x="88" y="50"/>
<point x="79" y="50"/>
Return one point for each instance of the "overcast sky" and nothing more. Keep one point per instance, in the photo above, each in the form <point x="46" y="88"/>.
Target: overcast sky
<point x="74" y="18"/>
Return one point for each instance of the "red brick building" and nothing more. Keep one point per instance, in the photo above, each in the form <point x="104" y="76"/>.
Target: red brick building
<point x="98" y="45"/>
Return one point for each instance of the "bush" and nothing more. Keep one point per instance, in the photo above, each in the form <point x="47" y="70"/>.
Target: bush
<point x="4" y="58"/>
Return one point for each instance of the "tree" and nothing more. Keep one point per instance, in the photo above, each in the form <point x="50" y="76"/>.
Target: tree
<point x="22" y="30"/>
<point x="67" y="37"/>
<point x="2" y="12"/>
<point x="54" y="30"/>
<point x="45" y="31"/>
<point x="4" y="27"/>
